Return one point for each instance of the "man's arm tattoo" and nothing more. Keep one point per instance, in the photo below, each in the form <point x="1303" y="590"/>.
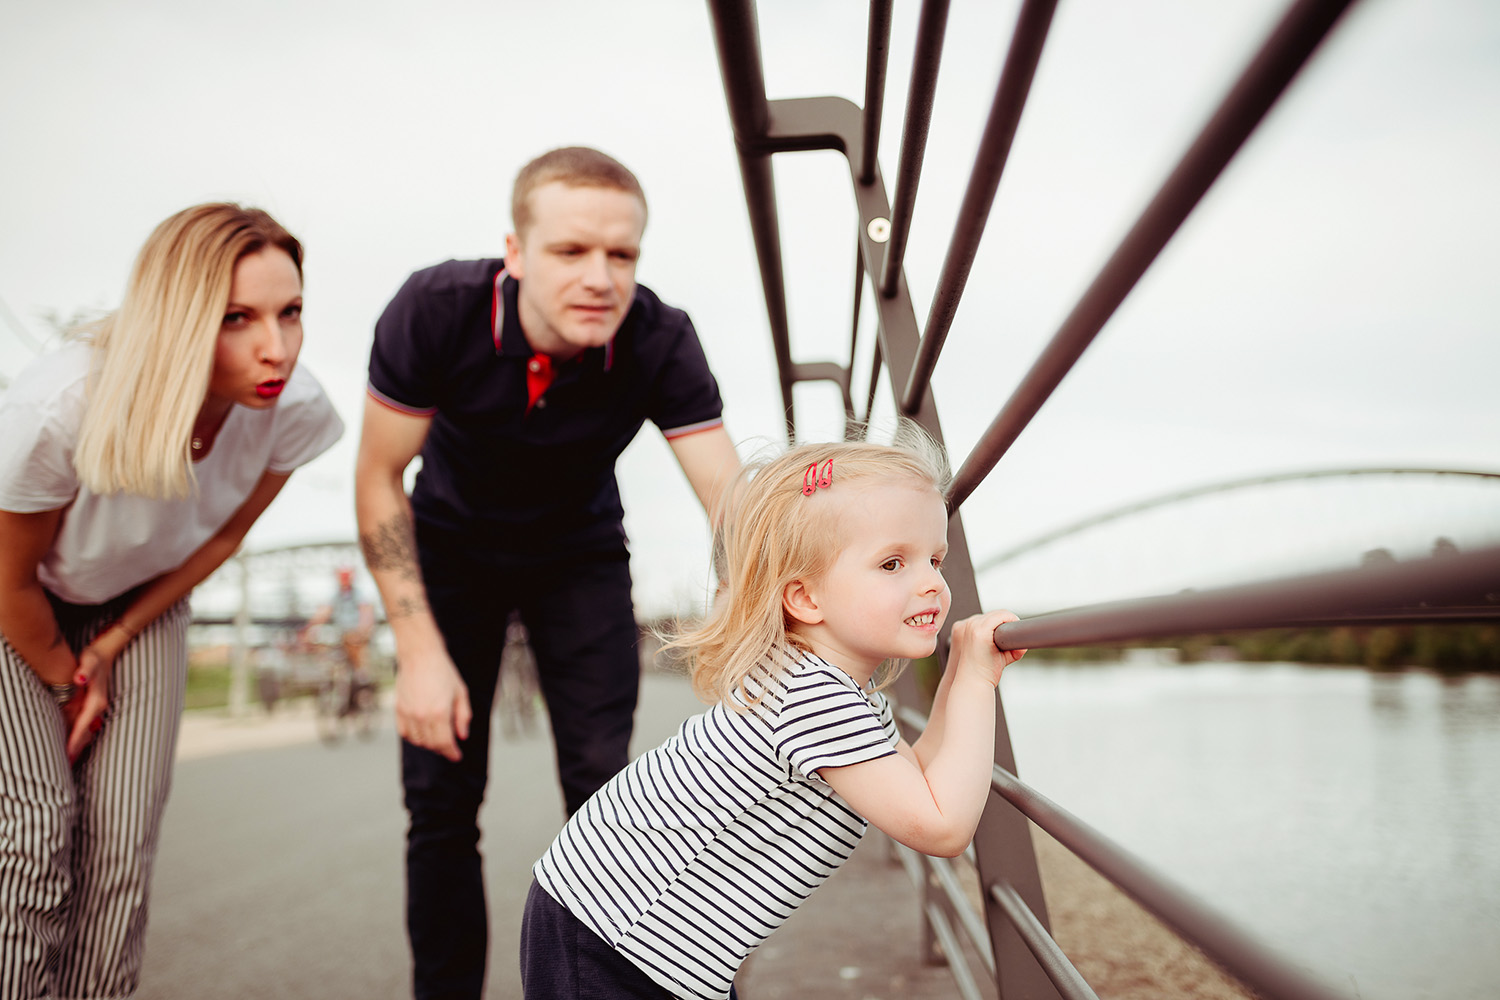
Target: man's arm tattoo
<point x="392" y="546"/>
<point x="405" y="607"/>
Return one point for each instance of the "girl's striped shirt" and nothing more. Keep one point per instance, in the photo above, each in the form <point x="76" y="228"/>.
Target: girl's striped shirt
<point x="690" y="857"/>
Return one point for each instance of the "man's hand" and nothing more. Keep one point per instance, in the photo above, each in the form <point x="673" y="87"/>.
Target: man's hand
<point x="432" y="705"/>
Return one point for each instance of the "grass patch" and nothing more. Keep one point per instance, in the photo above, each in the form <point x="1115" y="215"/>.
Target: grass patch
<point x="207" y="686"/>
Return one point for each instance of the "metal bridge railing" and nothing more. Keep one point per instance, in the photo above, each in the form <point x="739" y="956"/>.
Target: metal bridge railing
<point x="1013" y="944"/>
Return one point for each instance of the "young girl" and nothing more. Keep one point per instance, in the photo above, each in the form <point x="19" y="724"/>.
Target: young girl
<point x="672" y="873"/>
<point x="132" y="464"/>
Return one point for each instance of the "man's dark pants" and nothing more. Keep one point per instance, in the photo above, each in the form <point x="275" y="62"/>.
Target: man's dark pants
<point x="582" y="629"/>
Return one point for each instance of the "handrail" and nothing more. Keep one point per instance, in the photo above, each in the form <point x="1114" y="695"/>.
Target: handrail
<point x="877" y="49"/>
<point x="984" y="180"/>
<point x="1288" y="601"/>
<point x="962" y="977"/>
<point x="917" y="866"/>
<point x="924" y="72"/>
<point x="1236" y="950"/>
<point x="877" y="58"/>
<point x="973" y="926"/>
<point x="1026" y="961"/>
<point x="737" y="38"/>
<point x="1269" y="73"/>
<point x="1221" y="940"/>
<point x="1062" y="972"/>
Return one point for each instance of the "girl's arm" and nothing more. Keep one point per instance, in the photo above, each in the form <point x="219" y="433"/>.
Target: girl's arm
<point x="931" y="800"/>
<point x="26" y="617"/>
<point x="932" y="736"/>
<point x="97" y="659"/>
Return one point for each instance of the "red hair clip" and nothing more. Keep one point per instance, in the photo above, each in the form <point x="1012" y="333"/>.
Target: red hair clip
<point x="813" y="480"/>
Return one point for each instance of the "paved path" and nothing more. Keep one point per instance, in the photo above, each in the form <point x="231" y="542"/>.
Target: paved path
<point x="280" y="874"/>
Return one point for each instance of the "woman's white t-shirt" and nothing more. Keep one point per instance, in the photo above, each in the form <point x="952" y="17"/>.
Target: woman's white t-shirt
<point x="107" y="544"/>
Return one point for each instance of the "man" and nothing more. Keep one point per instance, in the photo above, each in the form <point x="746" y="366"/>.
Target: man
<point x="351" y="689"/>
<point x="519" y="382"/>
<point x="352" y="618"/>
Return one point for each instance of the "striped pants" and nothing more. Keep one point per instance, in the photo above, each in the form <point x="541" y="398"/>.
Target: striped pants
<point x="77" y="843"/>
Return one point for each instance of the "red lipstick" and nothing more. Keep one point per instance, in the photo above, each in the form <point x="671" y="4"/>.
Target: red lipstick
<point x="271" y="389"/>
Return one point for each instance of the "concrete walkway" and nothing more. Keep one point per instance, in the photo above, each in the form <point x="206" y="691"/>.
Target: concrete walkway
<point x="280" y="872"/>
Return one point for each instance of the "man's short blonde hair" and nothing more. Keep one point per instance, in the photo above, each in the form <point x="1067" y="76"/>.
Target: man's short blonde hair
<point x="575" y="166"/>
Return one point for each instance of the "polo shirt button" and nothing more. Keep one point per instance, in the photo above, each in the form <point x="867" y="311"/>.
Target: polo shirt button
<point x="534" y="365"/>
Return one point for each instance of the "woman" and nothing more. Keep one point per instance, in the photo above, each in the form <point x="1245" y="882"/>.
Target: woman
<point x="132" y="463"/>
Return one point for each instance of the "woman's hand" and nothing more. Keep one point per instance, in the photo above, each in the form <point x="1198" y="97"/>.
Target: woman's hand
<point x="85" y="711"/>
<point x="973" y="646"/>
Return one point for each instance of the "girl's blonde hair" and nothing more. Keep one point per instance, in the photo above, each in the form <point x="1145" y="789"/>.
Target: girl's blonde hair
<point x="772" y="533"/>
<point x="154" y="356"/>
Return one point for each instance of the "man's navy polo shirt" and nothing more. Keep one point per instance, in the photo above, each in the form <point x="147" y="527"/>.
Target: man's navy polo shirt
<point x="539" y="484"/>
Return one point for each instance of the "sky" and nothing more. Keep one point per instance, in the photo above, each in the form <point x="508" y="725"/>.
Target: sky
<point x="1331" y="303"/>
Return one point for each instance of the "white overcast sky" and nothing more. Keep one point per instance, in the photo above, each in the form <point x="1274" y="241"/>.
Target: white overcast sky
<point x="1332" y="302"/>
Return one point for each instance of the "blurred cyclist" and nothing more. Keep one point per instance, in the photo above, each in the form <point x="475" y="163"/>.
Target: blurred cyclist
<point x="352" y="617"/>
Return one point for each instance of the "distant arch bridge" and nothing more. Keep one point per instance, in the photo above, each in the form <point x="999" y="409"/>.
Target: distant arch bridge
<point x="1225" y="486"/>
<point x="281" y="585"/>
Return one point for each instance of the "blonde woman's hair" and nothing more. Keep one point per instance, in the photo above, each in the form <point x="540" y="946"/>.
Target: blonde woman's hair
<point x="771" y="534"/>
<point x="154" y="356"/>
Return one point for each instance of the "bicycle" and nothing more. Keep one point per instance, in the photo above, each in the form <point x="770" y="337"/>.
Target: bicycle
<point x="517" y="692"/>
<point x="346" y="698"/>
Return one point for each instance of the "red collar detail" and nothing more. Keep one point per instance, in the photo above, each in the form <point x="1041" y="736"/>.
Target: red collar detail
<point x="539" y="375"/>
<point x="497" y="328"/>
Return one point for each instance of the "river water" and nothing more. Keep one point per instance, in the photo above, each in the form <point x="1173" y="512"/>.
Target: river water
<point x="1349" y="818"/>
